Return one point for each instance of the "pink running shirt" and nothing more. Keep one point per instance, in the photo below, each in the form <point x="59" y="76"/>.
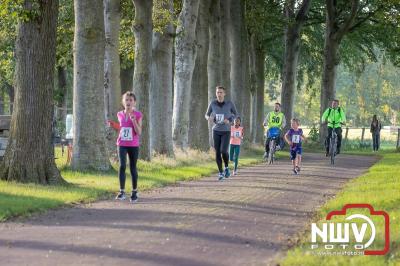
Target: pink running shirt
<point x="236" y="135"/>
<point x="127" y="136"/>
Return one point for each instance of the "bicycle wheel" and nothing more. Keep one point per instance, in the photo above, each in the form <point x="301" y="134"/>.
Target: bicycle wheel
<point x="332" y="149"/>
<point x="271" y="153"/>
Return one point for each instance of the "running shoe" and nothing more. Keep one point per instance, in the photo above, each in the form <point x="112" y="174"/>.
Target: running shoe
<point x="220" y="176"/>
<point x="134" y="197"/>
<point x="120" y="196"/>
<point x="227" y="172"/>
<point x="297" y="169"/>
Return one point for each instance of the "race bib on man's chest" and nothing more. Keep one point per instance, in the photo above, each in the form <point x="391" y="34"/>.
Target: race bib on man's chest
<point x="237" y="134"/>
<point x="276" y="119"/>
<point x="296" y="138"/>
<point x="126" y="133"/>
<point x="219" y="118"/>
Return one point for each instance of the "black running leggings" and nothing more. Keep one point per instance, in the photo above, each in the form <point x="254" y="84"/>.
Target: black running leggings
<point x="221" y="145"/>
<point x="133" y="153"/>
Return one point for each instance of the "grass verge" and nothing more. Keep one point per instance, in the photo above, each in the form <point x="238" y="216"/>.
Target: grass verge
<point x="24" y="199"/>
<point x="378" y="187"/>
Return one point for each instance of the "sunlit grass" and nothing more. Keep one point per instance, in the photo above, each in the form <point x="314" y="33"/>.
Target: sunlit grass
<point x="378" y="187"/>
<point x="23" y="199"/>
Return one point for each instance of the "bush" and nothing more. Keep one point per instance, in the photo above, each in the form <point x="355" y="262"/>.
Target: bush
<point x="314" y="133"/>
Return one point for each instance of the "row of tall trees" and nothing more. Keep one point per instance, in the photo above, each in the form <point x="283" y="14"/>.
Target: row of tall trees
<point x="363" y="93"/>
<point x="182" y="50"/>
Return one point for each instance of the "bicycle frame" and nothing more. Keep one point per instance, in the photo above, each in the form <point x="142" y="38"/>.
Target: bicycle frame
<point x="272" y="149"/>
<point x="333" y="144"/>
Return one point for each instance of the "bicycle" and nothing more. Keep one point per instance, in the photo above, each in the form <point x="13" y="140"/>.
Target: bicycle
<point x="333" y="144"/>
<point x="274" y="134"/>
<point x="333" y="141"/>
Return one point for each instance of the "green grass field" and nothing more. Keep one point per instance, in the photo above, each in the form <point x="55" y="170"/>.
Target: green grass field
<point x="378" y="187"/>
<point x="24" y="199"/>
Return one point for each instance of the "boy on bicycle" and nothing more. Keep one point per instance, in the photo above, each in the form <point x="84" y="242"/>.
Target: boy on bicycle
<point x="274" y="119"/>
<point x="335" y="117"/>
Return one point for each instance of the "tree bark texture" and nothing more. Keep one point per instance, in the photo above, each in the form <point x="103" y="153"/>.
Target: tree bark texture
<point x="126" y="77"/>
<point x="162" y="89"/>
<point x="336" y="28"/>
<point x="214" y="65"/>
<point x="240" y="92"/>
<point x="294" y="22"/>
<point x="260" y="81"/>
<point x="185" y="57"/>
<point x="89" y="126"/>
<point x="225" y="46"/>
<point x="112" y="81"/>
<point x="198" y="126"/>
<point x="62" y="86"/>
<point x="253" y="89"/>
<point x="143" y="30"/>
<point x="29" y="155"/>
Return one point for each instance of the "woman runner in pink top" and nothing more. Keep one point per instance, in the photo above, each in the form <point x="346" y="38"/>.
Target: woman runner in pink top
<point x="130" y="129"/>
<point x="236" y="141"/>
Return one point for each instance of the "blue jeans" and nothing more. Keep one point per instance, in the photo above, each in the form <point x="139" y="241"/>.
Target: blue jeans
<point x="376" y="137"/>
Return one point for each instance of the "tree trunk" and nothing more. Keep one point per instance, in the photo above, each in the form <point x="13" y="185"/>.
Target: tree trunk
<point x="11" y="94"/>
<point x="294" y="23"/>
<point x="126" y="77"/>
<point x="240" y="93"/>
<point x="253" y="89"/>
<point x="161" y="90"/>
<point x="292" y="45"/>
<point x="143" y="30"/>
<point x="2" y="94"/>
<point x="198" y="126"/>
<point x="331" y="61"/>
<point x="29" y="156"/>
<point x="89" y="145"/>
<point x="62" y="86"/>
<point x="112" y="82"/>
<point x="185" y="56"/>
<point x="260" y="80"/>
<point x="214" y="57"/>
<point x="336" y="28"/>
<point x="225" y="46"/>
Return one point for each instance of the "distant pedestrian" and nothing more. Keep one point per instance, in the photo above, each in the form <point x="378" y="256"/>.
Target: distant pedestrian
<point x="376" y="127"/>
